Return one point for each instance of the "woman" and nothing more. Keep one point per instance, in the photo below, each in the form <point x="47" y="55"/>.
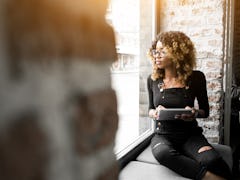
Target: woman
<point x="179" y="143"/>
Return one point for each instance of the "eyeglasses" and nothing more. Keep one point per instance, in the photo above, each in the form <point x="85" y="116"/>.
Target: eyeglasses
<point x="156" y="53"/>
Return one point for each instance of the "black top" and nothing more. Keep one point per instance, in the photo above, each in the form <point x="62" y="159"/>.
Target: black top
<point x="179" y="98"/>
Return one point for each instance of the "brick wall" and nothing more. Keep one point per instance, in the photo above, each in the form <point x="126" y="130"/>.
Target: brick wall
<point x="58" y="115"/>
<point x="203" y="22"/>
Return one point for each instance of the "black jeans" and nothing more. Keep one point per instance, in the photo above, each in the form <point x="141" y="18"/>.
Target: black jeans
<point x="181" y="155"/>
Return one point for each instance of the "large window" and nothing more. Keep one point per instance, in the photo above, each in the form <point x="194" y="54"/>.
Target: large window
<point x="133" y="26"/>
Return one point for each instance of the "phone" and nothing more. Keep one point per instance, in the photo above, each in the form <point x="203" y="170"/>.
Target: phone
<point x="170" y="113"/>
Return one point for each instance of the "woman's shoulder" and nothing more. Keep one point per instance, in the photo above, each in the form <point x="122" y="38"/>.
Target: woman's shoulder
<point x="197" y="79"/>
<point x="149" y="76"/>
<point x="149" y="79"/>
<point x="196" y="74"/>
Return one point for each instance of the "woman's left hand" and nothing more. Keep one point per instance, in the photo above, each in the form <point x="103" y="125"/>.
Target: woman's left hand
<point x="188" y="117"/>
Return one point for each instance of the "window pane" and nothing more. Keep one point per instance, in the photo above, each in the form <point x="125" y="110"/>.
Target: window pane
<point x="125" y="18"/>
<point x="126" y="86"/>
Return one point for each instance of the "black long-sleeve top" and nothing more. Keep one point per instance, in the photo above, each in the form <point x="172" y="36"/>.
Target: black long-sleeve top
<point x="179" y="98"/>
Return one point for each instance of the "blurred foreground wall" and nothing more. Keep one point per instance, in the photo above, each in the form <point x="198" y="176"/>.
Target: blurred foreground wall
<point x="58" y="113"/>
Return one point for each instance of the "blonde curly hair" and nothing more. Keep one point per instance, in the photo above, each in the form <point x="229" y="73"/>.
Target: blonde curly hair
<point x="182" y="50"/>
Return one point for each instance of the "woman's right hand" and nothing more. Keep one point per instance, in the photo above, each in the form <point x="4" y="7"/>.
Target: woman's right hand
<point x="160" y="107"/>
<point x="154" y="113"/>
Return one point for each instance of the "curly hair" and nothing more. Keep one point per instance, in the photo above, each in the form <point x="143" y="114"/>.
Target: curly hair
<point x="182" y="50"/>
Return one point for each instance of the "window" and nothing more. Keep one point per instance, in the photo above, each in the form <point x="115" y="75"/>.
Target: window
<point x="133" y="26"/>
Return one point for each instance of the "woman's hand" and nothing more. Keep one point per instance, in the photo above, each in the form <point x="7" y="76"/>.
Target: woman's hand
<point x="154" y="113"/>
<point x="160" y="107"/>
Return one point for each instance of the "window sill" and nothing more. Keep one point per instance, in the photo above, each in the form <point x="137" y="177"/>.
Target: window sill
<point x="134" y="144"/>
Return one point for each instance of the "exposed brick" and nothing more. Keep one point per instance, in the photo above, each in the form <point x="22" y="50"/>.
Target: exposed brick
<point x="213" y="106"/>
<point x="219" y="31"/>
<point x="23" y="151"/>
<point x="215" y="98"/>
<point x="215" y="43"/>
<point x="213" y="139"/>
<point x="213" y="86"/>
<point x="95" y="121"/>
<point x="213" y="64"/>
<point x="213" y="75"/>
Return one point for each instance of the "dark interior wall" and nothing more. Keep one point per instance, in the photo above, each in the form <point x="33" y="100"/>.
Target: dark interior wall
<point x="236" y="43"/>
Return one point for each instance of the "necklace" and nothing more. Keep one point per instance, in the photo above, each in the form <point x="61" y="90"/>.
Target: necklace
<point x="163" y="84"/>
<point x="166" y="84"/>
<point x="170" y="83"/>
<point x="161" y="88"/>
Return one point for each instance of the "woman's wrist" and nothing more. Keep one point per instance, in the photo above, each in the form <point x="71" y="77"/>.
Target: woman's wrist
<point x="152" y="113"/>
<point x="196" y="113"/>
<point x="199" y="113"/>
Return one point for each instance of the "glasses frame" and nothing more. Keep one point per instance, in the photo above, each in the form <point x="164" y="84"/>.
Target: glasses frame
<point x="157" y="53"/>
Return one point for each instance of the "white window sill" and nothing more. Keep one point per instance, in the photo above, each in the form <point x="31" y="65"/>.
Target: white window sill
<point x="136" y="142"/>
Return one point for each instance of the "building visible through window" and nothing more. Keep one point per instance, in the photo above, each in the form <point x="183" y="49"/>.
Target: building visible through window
<point x="125" y="18"/>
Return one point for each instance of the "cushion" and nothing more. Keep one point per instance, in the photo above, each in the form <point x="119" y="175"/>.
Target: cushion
<point x="147" y="167"/>
<point x="147" y="156"/>
<point x="136" y="170"/>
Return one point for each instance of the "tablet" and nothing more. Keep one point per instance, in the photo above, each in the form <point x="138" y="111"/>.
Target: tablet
<point x="170" y="113"/>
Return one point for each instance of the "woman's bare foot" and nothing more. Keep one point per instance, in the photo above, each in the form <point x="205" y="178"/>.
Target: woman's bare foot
<point x="211" y="176"/>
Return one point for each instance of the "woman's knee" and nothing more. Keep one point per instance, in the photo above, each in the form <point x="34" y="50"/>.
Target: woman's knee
<point x="207" y="155"/>
<point x="204" y="148"/>
<point x="163" y="153"/>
